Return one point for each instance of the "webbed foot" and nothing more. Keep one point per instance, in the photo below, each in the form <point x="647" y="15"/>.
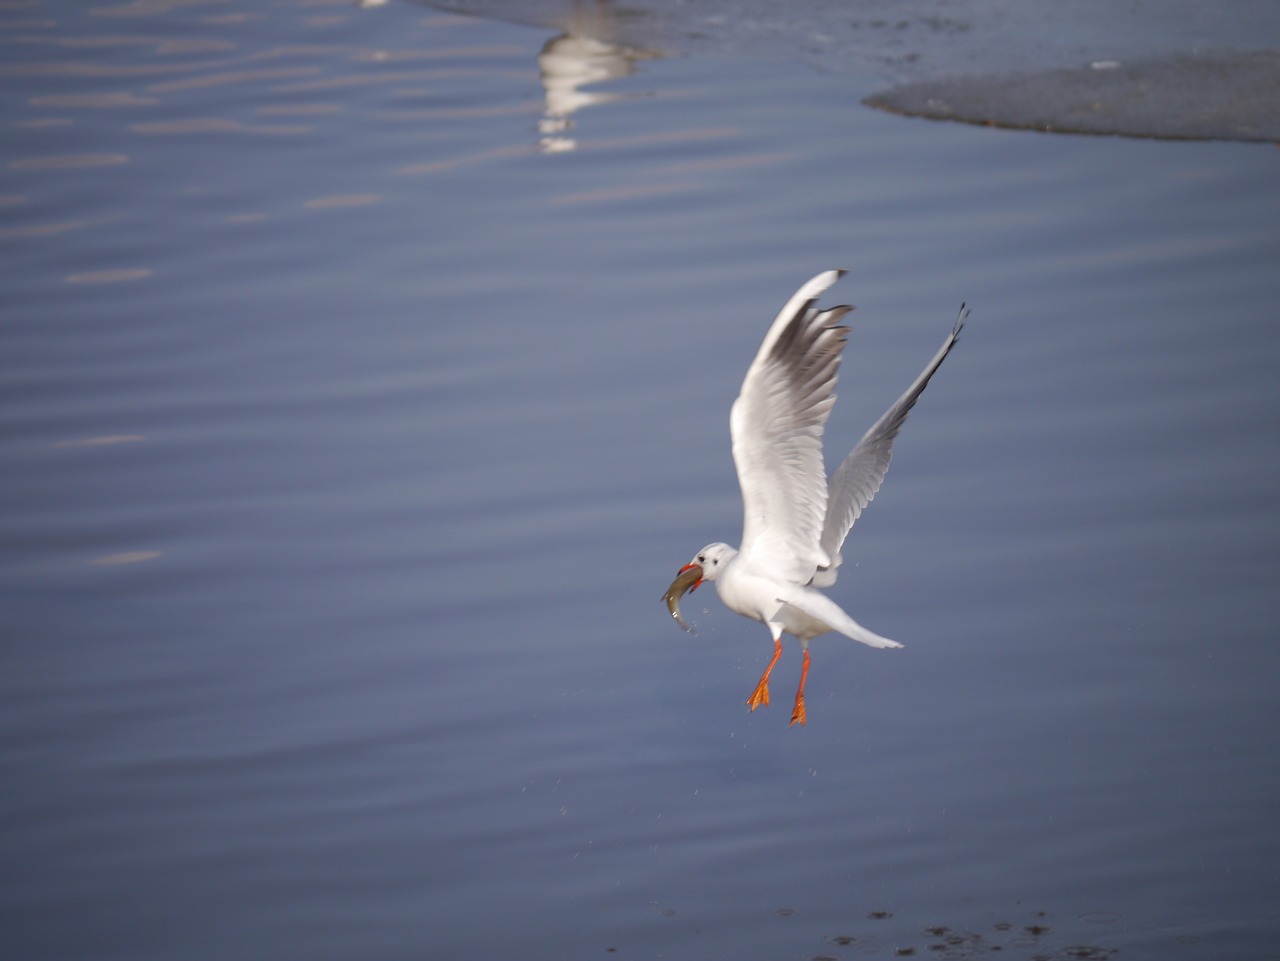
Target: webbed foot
<point x="760" y="696"/>
<point x="797" y="714"/>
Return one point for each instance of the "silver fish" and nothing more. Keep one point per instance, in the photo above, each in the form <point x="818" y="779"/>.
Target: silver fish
<point x="690" y="576"/>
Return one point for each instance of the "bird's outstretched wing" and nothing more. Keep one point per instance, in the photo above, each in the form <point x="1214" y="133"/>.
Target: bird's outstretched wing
<point x="859" y="476"/>
<point x="777" y="424"/>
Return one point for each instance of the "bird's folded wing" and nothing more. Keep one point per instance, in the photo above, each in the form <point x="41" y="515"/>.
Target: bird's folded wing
<point x="858" y="478"/>
<point x="776" y="424"/>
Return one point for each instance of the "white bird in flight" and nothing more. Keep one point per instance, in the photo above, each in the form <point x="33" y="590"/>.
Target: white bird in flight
<point x="795" y="520"/>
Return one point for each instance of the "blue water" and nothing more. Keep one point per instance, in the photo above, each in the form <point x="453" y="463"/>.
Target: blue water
<point x="353" y="424"/>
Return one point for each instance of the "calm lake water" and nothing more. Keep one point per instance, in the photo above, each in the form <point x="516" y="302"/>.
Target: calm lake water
<point x="362" y="392"/>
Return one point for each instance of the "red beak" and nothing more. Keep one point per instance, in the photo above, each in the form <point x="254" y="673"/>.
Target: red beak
<point x="687" y="567"/>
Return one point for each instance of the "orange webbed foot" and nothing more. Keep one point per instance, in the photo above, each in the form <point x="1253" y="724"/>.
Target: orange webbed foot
<point x="797" y="714"/>
<point x="760" y="696"/>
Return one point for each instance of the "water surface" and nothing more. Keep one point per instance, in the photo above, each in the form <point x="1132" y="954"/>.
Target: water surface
<point x="359" y="403"/>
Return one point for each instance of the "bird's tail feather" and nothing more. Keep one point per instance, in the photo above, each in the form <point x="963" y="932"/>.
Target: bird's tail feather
<point x="822" y="608"/>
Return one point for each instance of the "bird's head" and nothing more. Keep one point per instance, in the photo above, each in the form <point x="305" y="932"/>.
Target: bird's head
<point x="706" y="564"/>
<point x="710" y="561"/>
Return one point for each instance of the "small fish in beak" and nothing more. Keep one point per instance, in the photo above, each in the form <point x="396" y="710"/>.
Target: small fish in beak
<point x="690" y="577"/>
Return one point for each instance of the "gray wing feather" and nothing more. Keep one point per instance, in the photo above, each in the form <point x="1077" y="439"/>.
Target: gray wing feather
<point x="856" y="481"/>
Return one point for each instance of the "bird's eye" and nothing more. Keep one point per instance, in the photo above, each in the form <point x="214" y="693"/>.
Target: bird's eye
<point x="702" y="559"/>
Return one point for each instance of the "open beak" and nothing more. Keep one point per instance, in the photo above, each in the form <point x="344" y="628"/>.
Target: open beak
<point x="688" y="579"/>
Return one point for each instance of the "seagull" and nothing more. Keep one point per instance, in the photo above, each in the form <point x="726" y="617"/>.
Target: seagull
<point x="795" y="520"/>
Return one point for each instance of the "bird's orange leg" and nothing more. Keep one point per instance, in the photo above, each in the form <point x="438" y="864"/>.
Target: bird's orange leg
<point x="761" y="694"/>
<point x="797" y="715"/>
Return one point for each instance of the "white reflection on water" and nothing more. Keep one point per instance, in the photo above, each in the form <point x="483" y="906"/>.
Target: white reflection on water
<point x="125" y="557"/>
<point x="93" y="100"/>
<point x="109" y="276"/>
<point x="581" y="57"/>
<point x="69" y="161"/>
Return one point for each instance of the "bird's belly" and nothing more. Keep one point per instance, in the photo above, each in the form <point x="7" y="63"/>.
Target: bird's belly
<point x="748" y="595"/>
<point x="757" y="598"/>
<point x="802" y="625"/>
